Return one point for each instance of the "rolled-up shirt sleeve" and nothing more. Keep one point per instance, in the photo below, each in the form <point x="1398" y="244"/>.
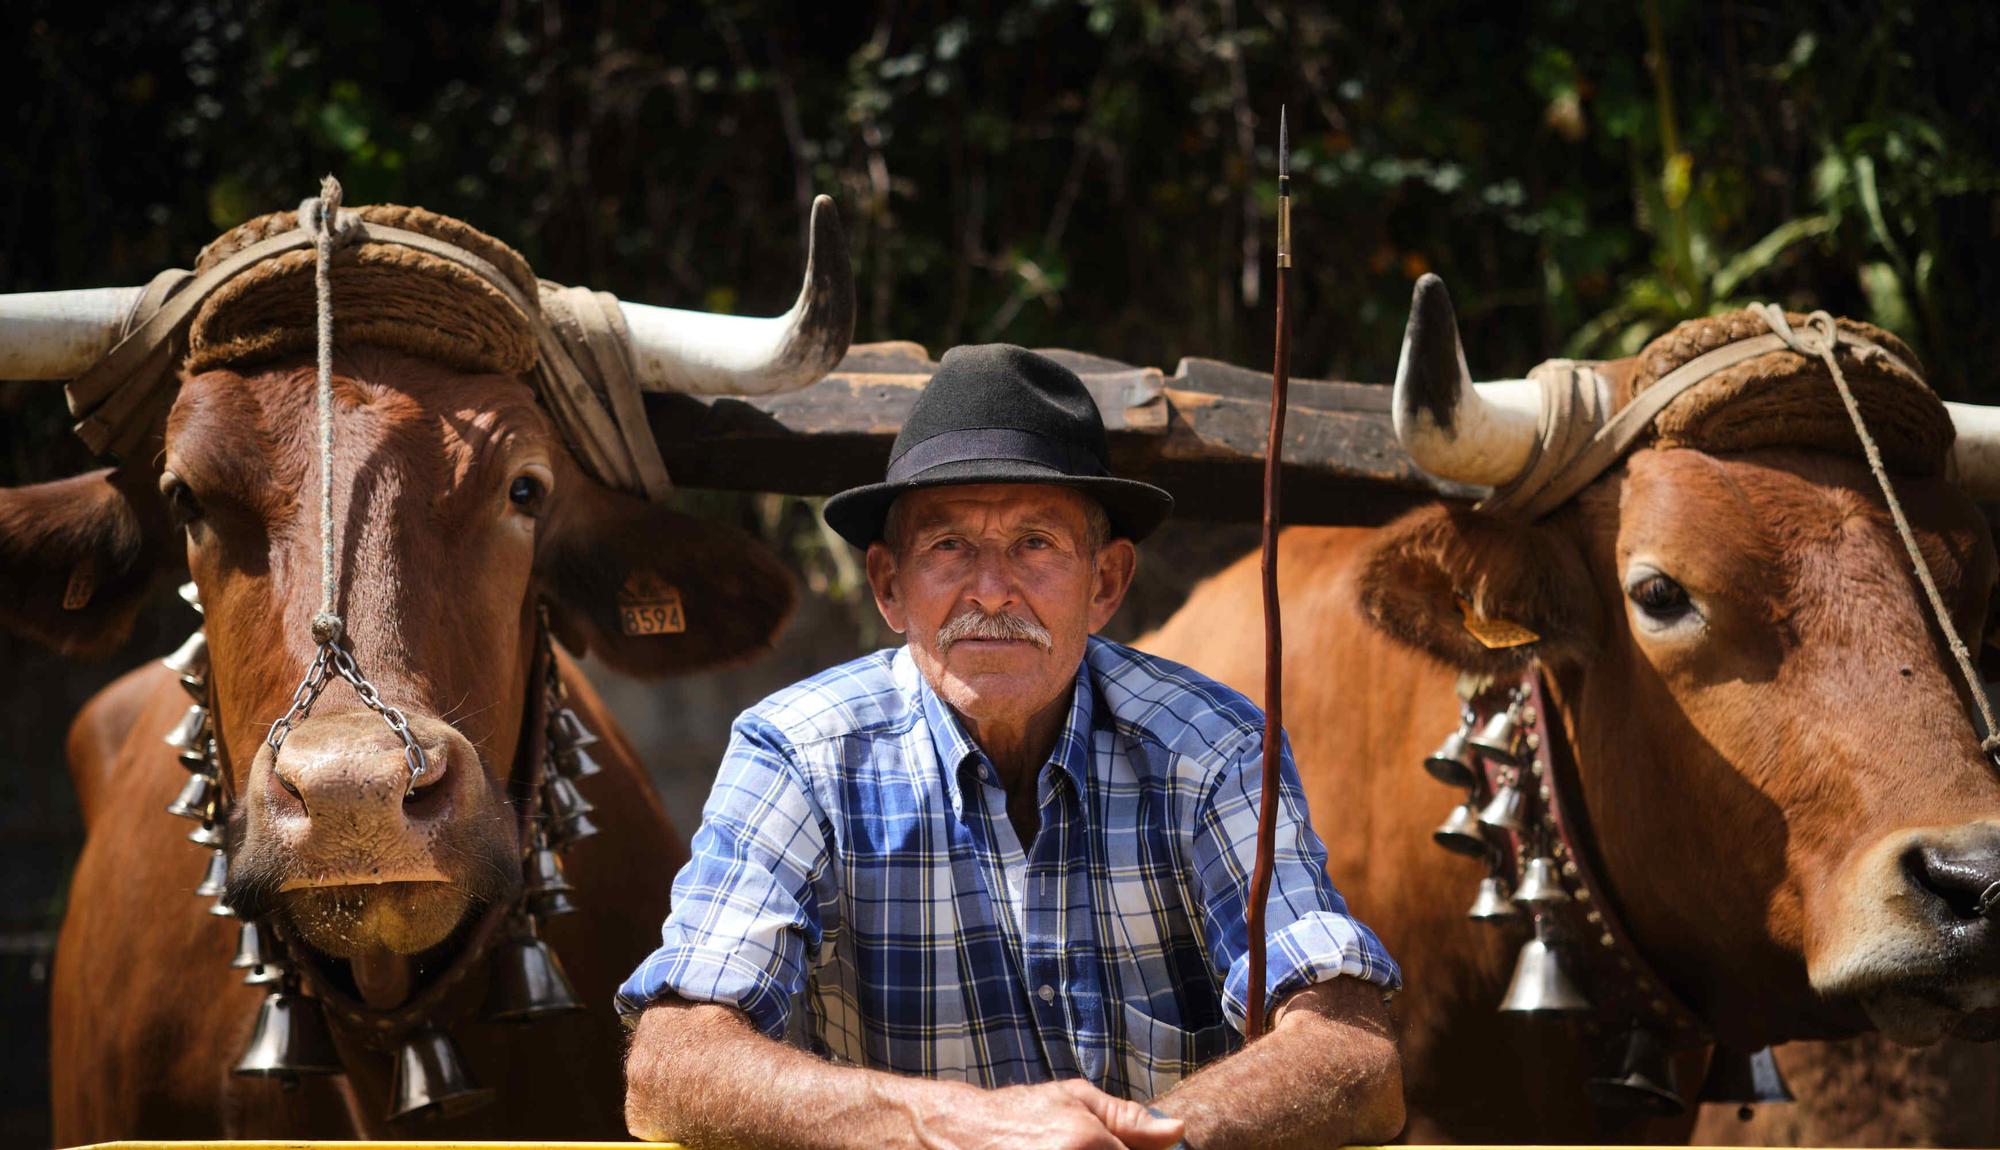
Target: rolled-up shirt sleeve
<point x="1310" y="936"/>
<point x="745" y="918"/>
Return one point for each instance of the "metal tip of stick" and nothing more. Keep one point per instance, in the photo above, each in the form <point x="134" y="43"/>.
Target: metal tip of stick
<point x="1284" y="146"/>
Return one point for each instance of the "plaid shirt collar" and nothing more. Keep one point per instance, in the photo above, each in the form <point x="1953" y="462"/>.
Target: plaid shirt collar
<point x="956" y="751"/>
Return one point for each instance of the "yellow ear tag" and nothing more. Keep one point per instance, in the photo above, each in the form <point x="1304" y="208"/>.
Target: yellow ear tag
<point x="649" y="605"/>
<point x="1494" y="634"/>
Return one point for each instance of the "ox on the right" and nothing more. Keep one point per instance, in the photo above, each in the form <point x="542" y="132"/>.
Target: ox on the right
<point x="1726" y="783"/>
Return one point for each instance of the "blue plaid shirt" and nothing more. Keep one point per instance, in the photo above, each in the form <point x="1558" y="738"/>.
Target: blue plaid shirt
<point x="855" y="858"/>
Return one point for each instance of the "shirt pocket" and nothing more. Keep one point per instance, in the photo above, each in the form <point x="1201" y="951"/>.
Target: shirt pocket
<point x="1158" y="1054"/>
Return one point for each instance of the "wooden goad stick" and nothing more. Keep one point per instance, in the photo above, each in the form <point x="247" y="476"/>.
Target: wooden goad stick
<point x="1274" y="645"/>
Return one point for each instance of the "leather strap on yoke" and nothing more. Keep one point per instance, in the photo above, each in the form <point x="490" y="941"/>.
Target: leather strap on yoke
<point x="1574" y="396"/>
<point x="583" y="373"/>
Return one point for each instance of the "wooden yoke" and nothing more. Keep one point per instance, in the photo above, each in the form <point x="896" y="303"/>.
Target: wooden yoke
<point x="1199" y="433"/>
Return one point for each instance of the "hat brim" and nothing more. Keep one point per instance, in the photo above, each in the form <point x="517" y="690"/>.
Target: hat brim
<point x="1134" y="508"/>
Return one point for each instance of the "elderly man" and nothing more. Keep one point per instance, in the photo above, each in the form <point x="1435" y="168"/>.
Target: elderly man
<point x="991" y="885"/>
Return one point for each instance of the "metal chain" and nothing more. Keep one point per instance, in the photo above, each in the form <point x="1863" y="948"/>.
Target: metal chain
<point x="321" y="216"/>
<point x="333" y="660"/>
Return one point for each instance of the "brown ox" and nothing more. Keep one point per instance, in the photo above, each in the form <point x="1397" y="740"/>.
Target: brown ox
<point x="461" y="513"/>
<point x="1782" y="790"/>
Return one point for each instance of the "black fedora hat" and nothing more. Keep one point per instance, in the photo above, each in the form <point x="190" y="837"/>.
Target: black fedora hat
<point x="996" y="413"/>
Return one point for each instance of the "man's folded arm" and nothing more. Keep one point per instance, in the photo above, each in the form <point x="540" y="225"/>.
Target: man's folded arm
<point x="746" y="915"/>
<point x="702" y="1075"/>
<point x="1327" y="1071"/>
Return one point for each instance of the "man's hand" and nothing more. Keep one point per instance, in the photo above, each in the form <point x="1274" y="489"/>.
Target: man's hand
<point x="704" y="1076"/>
<point x="1067" y="1115"/>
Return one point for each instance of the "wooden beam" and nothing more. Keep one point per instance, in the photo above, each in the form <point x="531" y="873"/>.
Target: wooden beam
<point x="1199" y="433"/>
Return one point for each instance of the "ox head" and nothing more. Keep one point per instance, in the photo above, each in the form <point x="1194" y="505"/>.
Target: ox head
<point x="1784" y="788"/>
<point x="460" y="516"/>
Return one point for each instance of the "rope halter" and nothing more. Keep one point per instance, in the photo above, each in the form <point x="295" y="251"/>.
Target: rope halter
<point x="320" y="216"/>
<point x="1818" y="340"/>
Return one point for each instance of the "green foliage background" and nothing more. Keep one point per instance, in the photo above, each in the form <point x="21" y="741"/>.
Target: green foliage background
<point x="1096" y="174"/>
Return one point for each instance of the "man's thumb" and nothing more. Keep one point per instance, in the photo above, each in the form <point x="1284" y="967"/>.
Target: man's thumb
<point x="1129" y="1122"/>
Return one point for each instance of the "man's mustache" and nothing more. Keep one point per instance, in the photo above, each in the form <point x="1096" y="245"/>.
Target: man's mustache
<point x="977" y="624"/>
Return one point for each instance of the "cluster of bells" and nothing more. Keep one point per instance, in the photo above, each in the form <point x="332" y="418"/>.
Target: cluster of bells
<point x="1493" y="816"/>
<point x="292" y="1038"/>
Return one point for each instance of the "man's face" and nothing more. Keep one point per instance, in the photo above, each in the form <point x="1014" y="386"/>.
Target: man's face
<point x="967" y="565"/>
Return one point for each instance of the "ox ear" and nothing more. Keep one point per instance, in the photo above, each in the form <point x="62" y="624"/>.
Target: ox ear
<point x="656" y="592"/>
<point x="1481" y="594"/>
<point x="76" y="558"/>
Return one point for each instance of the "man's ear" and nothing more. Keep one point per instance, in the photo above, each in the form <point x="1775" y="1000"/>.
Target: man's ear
<point x="1480" y="593"/>
<point x="656" y="592"/>
<point x="1117" y="562"/>
<point x="77" y="555"/>
<point x="880" y="564"/>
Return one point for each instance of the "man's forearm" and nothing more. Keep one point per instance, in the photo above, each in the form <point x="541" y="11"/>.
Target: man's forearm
<point x="702" y="1075"/>
<point x="1327" y="1074"/>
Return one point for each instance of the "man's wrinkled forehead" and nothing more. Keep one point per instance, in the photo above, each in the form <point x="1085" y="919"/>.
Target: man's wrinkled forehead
<point x="1018" y="506"/>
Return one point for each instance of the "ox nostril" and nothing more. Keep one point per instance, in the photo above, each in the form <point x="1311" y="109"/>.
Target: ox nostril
<point x="1964" y="878"/>
<point x="290" y="787"/>
<point x="425" y="785"/>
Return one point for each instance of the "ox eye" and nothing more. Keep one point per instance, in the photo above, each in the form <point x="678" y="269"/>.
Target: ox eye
<point x="181" y="503"/>
<point x="1660" y="598"/>
<point x="527" y="491"/>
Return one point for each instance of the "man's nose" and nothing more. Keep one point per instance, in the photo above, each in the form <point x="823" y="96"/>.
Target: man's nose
<point x="992" y="589"/>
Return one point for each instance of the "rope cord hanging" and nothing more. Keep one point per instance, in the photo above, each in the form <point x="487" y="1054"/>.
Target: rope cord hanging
<point x="321" y="217"/>
<point x="327" y="626"/>
<point x="1819" y="339"/>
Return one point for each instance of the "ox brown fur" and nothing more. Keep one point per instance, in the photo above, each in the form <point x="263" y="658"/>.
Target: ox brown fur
<point x="441" y="582"/>
<point x="1722" y="784"/>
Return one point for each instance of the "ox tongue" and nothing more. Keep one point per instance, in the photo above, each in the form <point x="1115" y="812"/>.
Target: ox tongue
<point x="383" y="977"/>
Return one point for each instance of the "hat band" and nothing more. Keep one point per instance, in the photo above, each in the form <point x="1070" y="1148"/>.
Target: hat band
<point x="989" y="443"/>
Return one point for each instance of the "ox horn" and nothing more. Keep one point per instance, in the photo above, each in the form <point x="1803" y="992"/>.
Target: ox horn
<point x="704" y="354"/>
<point x="1453" y="428"/>
<point x="60" y="334"/>
<point x="1975" y="452"/>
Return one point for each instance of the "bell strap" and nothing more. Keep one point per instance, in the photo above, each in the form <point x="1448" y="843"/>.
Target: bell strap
<point x="1628" y="984"/>
<point x="1547" y="487"/>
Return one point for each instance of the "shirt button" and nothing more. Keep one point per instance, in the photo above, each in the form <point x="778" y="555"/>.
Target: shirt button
<point x="1047" y="993"/>
<point x="983" y="773"/>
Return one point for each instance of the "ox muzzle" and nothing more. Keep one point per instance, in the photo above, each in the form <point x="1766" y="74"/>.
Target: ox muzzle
<point x="360" y="854"/>
<point x="1916" y="934"/>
